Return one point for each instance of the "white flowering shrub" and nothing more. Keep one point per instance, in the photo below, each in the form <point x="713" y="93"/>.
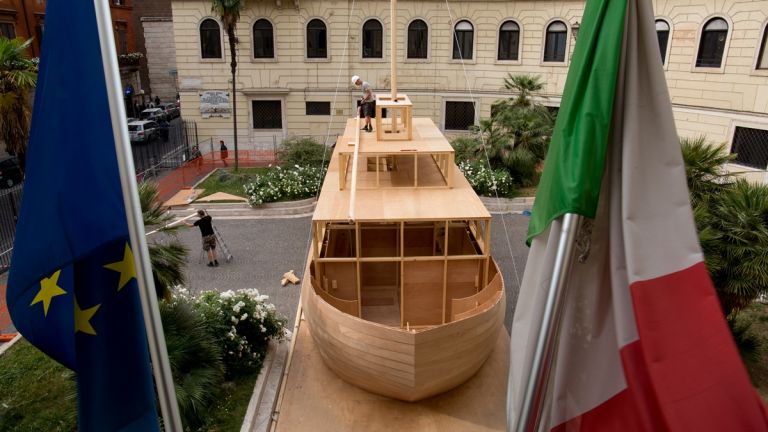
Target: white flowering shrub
<point x="485" y="181"/>
<point x="281" y="183"/>
<point x="244" y="323"/>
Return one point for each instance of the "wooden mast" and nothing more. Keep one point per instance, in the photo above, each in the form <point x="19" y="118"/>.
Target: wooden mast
<point x="393" y="47"/>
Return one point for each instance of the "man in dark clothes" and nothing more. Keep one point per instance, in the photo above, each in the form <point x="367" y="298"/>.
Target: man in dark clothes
<point x="209" y="238"/>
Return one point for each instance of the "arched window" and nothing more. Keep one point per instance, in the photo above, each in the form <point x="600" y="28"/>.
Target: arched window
<point x="418" y="37"/>
<point x="210" y="39"/>
<point x="712" y="43"/>
<point x="554" y="44"/>
<point x="317" y="46"/>
<point x="372" y="36"/>
<point x="463" y="34"/>
<point x="509" y="41"/>
<point x="263" y="39"/>
<point x="662" y="34"/>
<point x="762" y="56"/>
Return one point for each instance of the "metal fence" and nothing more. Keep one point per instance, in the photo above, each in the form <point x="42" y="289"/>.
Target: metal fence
<point x="10" y="203"/>
<point x="165" y="153"/>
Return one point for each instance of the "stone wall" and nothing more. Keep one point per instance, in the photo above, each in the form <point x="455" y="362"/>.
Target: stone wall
<point x="161" y="57"/>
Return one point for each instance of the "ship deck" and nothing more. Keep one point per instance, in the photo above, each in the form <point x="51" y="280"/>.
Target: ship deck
<point x="314" y="398"/>
<point x="405" y="192"/>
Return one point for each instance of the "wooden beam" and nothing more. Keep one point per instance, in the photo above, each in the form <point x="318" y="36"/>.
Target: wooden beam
<point x="402" y="269"/>
<point x="353" y="192"/>
<point x="445" y="270"/>
<point x="357" y="255"/>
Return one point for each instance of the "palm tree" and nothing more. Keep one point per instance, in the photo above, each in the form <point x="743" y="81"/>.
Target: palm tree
<point x="18" y="75"/>
<point x="525" y="85"/>
<point x="733" y="231"/>
<point x="229" y="11"/>
<point x="704" y="171"/>
<point x="167" y="260"/>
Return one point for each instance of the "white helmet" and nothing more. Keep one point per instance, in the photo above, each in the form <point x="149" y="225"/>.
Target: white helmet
<point x="355" y="78"/>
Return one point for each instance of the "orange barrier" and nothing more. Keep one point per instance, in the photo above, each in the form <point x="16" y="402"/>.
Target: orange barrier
<point x="195" y="170"/>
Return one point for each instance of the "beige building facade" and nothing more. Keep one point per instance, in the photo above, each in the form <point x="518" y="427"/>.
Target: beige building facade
<point x="295" y="60"/>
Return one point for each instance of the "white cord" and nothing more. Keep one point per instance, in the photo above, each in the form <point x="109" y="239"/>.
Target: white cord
<point x="482" y="140"/>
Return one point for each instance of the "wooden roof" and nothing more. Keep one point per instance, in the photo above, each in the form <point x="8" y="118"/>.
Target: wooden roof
<point x="399" y="204"/>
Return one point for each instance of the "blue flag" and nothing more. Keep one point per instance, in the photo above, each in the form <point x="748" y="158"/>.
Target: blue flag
<point x="72" y="290"/>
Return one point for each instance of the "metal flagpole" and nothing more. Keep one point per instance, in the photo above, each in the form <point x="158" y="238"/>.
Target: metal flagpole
<point x="154" y="327"/>
<point x="546" y="342"/>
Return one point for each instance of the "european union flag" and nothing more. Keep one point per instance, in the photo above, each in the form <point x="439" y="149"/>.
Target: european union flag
<point x="72" y="290"/>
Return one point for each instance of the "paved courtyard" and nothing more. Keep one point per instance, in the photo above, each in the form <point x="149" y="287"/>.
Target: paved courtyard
<point x="264" y="249"/>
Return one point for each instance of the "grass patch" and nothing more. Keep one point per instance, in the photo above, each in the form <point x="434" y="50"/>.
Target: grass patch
<point x="39" y="394"/>
<point x="757" y="315"/>
<point x="36" y="393"/>
<point x="228" y="412"/>
<point x="228" y="181"/>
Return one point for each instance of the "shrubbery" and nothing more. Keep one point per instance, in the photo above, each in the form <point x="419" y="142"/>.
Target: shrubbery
<point x="243" y="324"/>
<point x="279" y="184"/>
<point x="215" y="336"/>
<point x="303" y="151"/>
<point x="485" y="181"/>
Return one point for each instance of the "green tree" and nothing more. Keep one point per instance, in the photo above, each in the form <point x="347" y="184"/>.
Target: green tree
<point x="167" y="259"/>
<point x="704" y="168"/>
<point x="229" y="11"/>
<point x="525" y="85"/>
<point x="18" y="76"/>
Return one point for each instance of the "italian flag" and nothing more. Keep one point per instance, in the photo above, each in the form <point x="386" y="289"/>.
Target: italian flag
<point x="643" y="344"/>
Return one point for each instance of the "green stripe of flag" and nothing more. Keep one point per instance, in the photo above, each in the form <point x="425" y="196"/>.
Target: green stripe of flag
<point x="575" y="162"/>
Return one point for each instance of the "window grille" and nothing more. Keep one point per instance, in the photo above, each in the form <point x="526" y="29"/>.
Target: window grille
<point x="751" y="147"/>
<point x="459" y="115"/>
<point x="267" y="114"/>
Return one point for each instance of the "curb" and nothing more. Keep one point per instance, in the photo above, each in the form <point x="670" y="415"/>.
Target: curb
<point x="274" y="210"/>
<point x="6" y="346"/>
<point x="507" y="205"/>
<point x="258" y="416"/>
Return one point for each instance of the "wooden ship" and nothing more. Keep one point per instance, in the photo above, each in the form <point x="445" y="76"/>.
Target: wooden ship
<point x="402" y="296"/>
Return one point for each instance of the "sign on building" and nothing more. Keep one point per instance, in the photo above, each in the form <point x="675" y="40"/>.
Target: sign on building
<point x="215" y="104"/>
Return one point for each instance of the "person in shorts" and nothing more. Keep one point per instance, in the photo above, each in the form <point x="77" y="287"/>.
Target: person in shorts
<point x="209" y="238"/>
<point x="366" y="102"/>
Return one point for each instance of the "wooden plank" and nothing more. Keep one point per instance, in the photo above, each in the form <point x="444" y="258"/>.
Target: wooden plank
<point x="312" y="392"/>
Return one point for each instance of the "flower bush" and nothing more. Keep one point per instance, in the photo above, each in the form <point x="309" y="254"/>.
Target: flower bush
<point x="280" y="183"/>
<point x="486" y="181"/>
<point x="243" y="323"/>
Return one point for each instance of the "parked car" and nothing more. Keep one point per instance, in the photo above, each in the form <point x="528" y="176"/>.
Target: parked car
<point x="171" y="111"/>
<point x="143" y="131"/>
<point x="130" y="119"/>
<point x="10" y="173"/>
<point x="153" y="114"/>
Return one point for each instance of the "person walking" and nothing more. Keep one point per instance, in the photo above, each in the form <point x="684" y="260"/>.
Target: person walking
<point x="366" y="105"/>
<point x="198" y="158"/>
<point x="157" y="101"/>
<point x="209" y="238"/>
<point x="224" y="152"/>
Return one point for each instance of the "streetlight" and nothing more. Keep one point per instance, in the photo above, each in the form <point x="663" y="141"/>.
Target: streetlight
<point x="575" y="29"/>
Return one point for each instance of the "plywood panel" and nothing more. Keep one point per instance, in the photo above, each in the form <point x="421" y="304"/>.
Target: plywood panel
<point x="379" y="241"/>
<point x="346" y="280"/>
<point x="462" y="276"/>
<point x="423" y="292"/>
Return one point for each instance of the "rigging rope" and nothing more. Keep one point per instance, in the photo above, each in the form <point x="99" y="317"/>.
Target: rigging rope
<point x="482" y="140"/>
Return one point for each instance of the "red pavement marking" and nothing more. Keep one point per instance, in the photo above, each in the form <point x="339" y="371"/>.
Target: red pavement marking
<point x="188" y="174"/>
<point x="5" y="317"/>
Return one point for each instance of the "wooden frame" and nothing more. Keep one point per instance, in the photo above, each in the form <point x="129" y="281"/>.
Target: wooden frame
<point x="399" y="124"/>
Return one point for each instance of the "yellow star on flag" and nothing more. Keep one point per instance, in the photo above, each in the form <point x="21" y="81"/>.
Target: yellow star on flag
<point x="49" y="288"/>
<point x="125" y="268"/>
<point x="83" y="319"/>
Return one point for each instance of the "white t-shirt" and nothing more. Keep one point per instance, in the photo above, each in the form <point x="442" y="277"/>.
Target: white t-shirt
<point x="367" y="88"/>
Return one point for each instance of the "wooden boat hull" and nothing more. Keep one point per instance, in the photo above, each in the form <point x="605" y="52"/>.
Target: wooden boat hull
<point x="409" y="365"/>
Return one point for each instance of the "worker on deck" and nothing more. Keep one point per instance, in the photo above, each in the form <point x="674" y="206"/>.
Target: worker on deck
<point x="366" y="105"/>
